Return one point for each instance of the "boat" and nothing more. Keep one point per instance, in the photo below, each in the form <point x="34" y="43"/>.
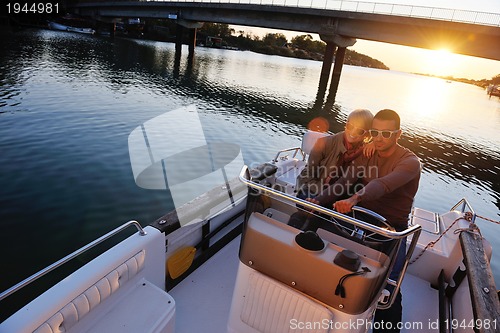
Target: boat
<point x="493" y="90"/>
<point x="63" y="27"/>
<point x="227" y="261"/>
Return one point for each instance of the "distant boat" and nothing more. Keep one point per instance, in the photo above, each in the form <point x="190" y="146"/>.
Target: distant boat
<point x="63" y="27"/>
<point x="493" y="90"/>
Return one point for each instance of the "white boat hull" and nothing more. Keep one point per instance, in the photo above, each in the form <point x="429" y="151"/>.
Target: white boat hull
<point x="62" y="27"/>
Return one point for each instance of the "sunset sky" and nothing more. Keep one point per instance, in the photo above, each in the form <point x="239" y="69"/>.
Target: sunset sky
<point x="415" y="60"/>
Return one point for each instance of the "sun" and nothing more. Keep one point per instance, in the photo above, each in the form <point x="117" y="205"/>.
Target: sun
<point x="443" y="55"/>
<point x="440" y="62"/>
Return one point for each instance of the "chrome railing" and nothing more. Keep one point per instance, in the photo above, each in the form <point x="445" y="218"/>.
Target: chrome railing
<point x="464" y="205"/>
<point x="413" y="230"/>
<point x="432" y="13"/>
<point x="73" y="255"/>
<point x="244" y="177"/>
<point x="295" y="150"/>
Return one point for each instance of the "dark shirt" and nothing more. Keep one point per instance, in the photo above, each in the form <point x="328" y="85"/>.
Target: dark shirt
<point x="390" y="185"/>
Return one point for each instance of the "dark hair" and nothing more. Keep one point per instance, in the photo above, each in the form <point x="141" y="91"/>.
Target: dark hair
<point x="387" y="114"/>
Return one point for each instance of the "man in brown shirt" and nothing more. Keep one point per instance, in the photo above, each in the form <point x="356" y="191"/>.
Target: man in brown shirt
<point x="390" y="181"/>
<point x="390" y="177"/>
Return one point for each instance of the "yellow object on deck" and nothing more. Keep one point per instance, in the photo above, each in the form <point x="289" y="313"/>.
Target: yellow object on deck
<point x="180" y="261"/>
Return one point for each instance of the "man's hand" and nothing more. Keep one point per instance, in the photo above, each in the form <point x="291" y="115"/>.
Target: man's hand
<point x="345" y="206"/>
<point x="312" y="200"/>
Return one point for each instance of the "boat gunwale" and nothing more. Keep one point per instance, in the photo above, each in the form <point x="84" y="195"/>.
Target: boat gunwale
<point x="71" y="256"/>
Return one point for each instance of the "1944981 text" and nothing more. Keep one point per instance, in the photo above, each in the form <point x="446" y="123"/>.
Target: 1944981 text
<point x="32" y="8"/>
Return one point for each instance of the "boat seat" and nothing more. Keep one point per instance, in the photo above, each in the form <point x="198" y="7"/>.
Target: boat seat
<point x="74" y="311"/>
<point x="289" y="168"/>
<point x="309" y="140"/>
<point x="262" y="304"/>
<point x="129" y="313"/>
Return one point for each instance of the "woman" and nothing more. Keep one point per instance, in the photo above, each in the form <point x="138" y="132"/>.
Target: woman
<point x="331" y="154"/>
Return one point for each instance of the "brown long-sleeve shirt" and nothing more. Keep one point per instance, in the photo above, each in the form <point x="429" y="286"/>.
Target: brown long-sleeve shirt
<point x="390" y="185"/>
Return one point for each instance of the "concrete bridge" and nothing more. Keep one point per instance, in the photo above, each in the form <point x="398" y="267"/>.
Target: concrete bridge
<point x="338" y="22"/>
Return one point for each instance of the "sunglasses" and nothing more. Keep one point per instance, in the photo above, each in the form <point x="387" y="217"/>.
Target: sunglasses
<point x="385" y="134"/>
<point x="355" y="131"/>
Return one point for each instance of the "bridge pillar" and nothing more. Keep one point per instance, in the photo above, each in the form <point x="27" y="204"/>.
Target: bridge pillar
<point x="192" y="42"/>
<point x="325" y="70"/>
<point x="337" y="70"/>
<point x="192" y="26"/>
<point x="179" y="32"/>
<point x="342" y="43"/>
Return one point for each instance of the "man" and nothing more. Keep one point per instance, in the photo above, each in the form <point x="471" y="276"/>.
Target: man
<point x="390" y="178"/>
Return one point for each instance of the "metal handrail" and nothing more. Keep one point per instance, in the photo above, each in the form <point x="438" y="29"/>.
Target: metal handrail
<point x="399" y="281"/>
<point x="296" y="149"/>
<point x="313" y="207"/>
<point x="402" y="10"/>
<point x="465" y="204"/>
<point x="73" y="255"/>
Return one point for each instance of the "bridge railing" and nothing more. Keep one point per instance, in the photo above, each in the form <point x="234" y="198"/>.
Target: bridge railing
<point x="445" y="14"/>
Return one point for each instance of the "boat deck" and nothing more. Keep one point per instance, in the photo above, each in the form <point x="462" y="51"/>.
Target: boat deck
<point x="203" y="299"/>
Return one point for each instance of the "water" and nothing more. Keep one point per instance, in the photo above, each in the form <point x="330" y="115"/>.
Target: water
<point x="68" y="103"/>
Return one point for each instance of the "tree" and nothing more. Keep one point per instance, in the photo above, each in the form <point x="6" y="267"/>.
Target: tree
<point x="306" y="42"/>
<point x="302" y="41"/>
<point x="278" y="40"/>
<point x="217" y="30"/>
<point x="495" y="80"/>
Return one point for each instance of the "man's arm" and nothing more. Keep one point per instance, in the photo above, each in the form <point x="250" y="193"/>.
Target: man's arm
<point x="406" y="170"/>
<point x="338" y="189"/>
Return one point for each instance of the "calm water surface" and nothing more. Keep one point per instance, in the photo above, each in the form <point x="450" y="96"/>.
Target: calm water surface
<point x="68" y="103"/>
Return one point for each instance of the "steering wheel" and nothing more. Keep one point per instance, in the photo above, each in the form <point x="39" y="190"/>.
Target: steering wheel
<point x="360" y="233"/>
